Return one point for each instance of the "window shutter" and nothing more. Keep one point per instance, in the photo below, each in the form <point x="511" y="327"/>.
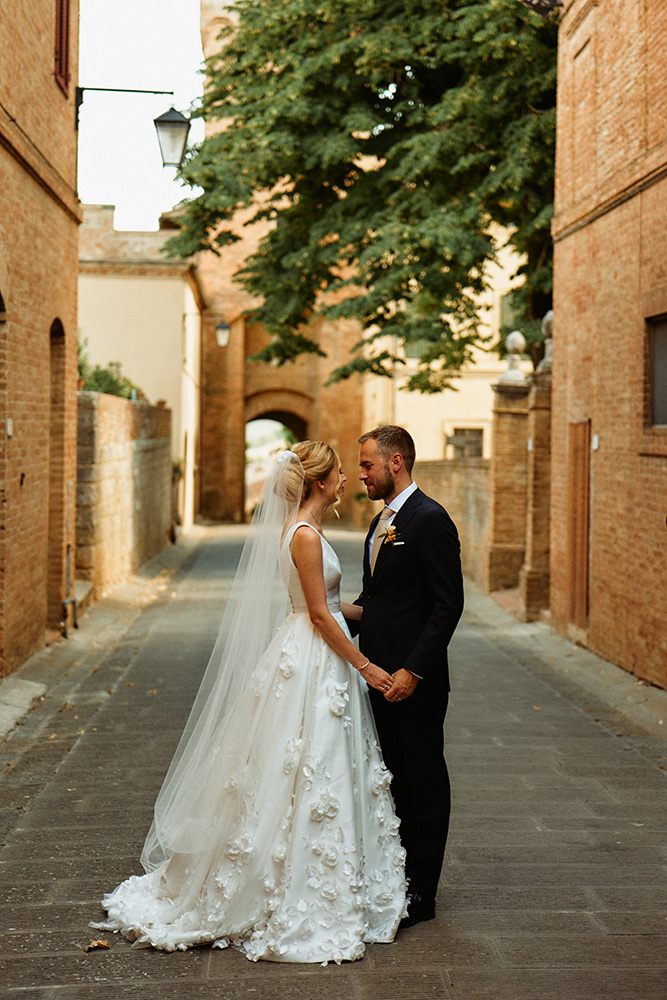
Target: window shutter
<point x="62" y="45"/>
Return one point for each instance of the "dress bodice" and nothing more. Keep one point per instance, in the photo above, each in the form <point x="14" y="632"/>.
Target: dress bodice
<point x="290" y="575"/>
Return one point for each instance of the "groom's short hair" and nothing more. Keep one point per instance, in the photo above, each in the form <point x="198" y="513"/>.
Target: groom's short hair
<point x="392" y="439"/>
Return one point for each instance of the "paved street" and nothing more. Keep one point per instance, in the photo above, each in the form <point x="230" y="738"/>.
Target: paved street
<point x="555" y="881"/>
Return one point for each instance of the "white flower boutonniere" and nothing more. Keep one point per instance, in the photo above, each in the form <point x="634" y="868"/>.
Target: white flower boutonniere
<point x="391" y="536"/>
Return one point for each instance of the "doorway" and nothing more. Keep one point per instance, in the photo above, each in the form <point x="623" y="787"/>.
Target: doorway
<point x="578" y="522"/>
<point x="265" y="437"/>
<point x="58" y="502"/>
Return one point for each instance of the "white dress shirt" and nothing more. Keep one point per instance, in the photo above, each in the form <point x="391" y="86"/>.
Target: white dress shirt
<point x="395" y="506"/>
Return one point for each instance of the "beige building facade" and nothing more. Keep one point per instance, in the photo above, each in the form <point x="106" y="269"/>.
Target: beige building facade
<point x="457" y="422"/>
<point x="140" y="308"/>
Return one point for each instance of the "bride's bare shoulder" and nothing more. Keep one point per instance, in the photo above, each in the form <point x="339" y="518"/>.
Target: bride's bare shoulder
<point x="294" y="529"/>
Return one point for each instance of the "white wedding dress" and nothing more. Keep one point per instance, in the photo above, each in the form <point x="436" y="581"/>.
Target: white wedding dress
<point x="307" y="865"/>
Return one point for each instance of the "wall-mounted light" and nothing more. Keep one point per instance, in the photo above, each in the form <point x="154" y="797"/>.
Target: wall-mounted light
<point x="222" y="332"/>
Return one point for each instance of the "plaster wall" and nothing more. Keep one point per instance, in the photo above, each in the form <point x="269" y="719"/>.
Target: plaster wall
<point x="144" y="310"/>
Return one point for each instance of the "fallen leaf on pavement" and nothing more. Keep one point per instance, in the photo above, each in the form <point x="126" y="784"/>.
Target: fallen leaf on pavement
<point x="96" y="944"/>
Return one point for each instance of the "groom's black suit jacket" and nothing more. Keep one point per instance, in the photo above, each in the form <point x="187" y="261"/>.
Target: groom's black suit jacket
<point x="413" y="601"/>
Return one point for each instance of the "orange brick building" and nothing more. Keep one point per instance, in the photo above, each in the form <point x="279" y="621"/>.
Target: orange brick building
<point x="609" y="460"/>
<point x="39" y="217"/>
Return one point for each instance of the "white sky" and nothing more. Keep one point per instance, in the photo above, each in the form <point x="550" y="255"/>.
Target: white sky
<point x="148" y="45"/>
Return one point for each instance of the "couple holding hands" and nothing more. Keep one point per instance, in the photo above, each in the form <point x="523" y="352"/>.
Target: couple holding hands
<point x="282" y="827"/>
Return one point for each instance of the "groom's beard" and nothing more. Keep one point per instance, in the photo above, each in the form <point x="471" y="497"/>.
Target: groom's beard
<point x="382" y="487"/>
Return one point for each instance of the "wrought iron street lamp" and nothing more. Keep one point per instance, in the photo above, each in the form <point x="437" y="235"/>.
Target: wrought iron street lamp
<point x="172" y="127"/>
<point x="172" y="134"/>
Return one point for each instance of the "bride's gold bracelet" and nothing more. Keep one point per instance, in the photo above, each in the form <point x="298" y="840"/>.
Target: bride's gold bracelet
<point x="363" y="666"/>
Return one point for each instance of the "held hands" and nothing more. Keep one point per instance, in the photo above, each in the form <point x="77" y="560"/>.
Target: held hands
<point x="402" y="686"/>
<point x="376" y="677"/>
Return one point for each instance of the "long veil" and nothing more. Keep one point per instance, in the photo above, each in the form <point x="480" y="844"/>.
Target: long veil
<point x="258" y="603"/>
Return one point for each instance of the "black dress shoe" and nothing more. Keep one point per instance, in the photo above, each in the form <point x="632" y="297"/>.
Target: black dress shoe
<point x="419" y="910"/>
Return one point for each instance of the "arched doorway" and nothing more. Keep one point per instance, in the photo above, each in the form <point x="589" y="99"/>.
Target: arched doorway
<point x="265" y="436"/>
<point x="295" y="425"/>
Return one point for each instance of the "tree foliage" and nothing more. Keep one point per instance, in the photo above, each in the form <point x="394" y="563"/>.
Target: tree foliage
<point x="381" y="138"/>
<point x="109" y="379"/>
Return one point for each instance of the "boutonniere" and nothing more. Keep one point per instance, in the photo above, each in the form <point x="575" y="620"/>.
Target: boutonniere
<point x="391" y="536"/>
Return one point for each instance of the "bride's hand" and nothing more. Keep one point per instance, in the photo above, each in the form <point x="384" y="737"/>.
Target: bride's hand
<point x="376" y="677"/>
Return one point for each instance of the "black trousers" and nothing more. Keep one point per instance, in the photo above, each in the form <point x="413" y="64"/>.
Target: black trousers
<point x="411" y="734"/>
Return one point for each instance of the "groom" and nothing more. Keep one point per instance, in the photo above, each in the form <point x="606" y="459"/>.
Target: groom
<point x="412" y="599"/>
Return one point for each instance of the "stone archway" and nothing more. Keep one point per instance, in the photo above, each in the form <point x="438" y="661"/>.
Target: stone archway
<point x="236" y="390"/>
<point x="297" y="426"/>
<point x="292" y="410"/>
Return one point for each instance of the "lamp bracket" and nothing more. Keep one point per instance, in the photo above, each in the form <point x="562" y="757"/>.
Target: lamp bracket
<point x="78" y="100"/>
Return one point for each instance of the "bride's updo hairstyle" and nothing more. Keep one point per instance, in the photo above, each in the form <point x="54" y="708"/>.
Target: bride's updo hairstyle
<point x="305" y="464"/>
<point x="317" y="460"/>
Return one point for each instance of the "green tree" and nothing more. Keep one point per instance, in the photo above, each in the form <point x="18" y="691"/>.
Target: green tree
<point x="381" y="138"/>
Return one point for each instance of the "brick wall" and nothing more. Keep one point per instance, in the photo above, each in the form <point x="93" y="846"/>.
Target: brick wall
<point x="507" y="487"/>
<point x="535" y="572"/>
<point x="610" y="277"/>
<point x="39" y="218"/>
<point x="27" y="33"/>
<point x="124" y="487"/>
<point x="462" y="487"/>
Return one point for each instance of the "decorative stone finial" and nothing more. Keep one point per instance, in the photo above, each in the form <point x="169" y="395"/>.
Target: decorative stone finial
<point x="515" y="344"/>
<point x="547" y="330"/>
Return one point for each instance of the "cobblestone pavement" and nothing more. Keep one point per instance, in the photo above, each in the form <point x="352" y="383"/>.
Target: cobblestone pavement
<point x="555" y="881"/>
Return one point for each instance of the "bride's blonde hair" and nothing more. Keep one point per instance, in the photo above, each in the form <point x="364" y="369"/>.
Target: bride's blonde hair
<point x="317" y="460"/>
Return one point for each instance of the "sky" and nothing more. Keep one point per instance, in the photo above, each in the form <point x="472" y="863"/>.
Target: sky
<point x="148" y="45"/>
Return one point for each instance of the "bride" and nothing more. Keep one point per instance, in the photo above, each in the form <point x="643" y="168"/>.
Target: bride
<point x="274" y="830"/>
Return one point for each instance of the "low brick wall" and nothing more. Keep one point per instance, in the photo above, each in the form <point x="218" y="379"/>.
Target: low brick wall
<point x="462" y="487"/>
<point x="123" y="488"/>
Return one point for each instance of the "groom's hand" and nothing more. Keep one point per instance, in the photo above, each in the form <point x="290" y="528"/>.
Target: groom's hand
<point x="403" y="684"/>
